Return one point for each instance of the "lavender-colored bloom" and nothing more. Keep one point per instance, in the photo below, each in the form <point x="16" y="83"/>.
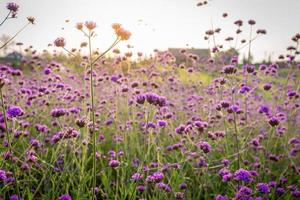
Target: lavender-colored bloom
<point x="58" y="112"/>
<point x="2" y="175"/>
<point x="263" y="109"/>
<point x="163" y="186"/>
<point x="225" y="162"/>
<point x="244" y="193"/>
<point x="158" y="176"/>
<point x="14" y="111"/>
<point x="114" y="163"/>
<point x="229" y="69"/>
<point x="273" y="121"/>
<point x="220" y="197"/>
<point x="65" y="197"/>
<point x="249" y="68"/>
<point x="204" y="146"/>
<point x="14" y="197"/>
<point x="183" y="186"/>
<point x="136" y="176"/>
<point x="180" y="129"/>
<point x="296" y="193"/>
<point x="140" y="99"/>
<point x="245" y="89"/>
<point x="162" y="123"/>
<point x="243" y="175"/>
<point x="267" y="86"/>
<point x="13" y="7"/>
<point x="179" y="195"/>
<point x="140" y="188"/>
<point x="263" y="188"/>
<point x="280" y="191"/>
<point x="114" y="78"/>
<point x="47" y="71"/>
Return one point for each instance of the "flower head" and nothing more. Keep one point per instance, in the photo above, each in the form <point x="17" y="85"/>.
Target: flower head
<point x="90" y="25"/>
<point x="60" y="42"/>
<point x="79" y="26"/>
<point x="243" y="175"/>
<point x="65" y="197"/>
<point x="121" y="32"/>
<point x="13" y="7"/>
<point x="14" y="111"/>
<point x="31" y="19"/>
<point x="263" y="188"/>
<point x="114" y="163"/>
<point x="251" y="22"/>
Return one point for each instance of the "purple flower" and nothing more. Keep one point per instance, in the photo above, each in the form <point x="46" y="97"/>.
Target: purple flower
<point x="65" y="197"/>
<point x="267" y="86"/>
<point x="245" y="89"/>
<point x="162" y="123"/>
<point x="13" y="7"/>
<point x="204" y="146"/>
<point x="263" y="188"/>
<point x="114" y="78"/>
<point x="179" y="195"/>
<point x="163" y="186"/>
<point x="244" y="193"/>
<point x="243" y="175"/>
<point x="229" y="69"/>
<point x="249" y="68"/>
<point x="136" y="176"/>
<point x="273" y="121"/>
<point x="114" y="163"/>
<point x="180" y="129"/>
<point x="183" y="186"/>
<point x="225" y="174"/>
<point x="158" y="176"/>
<point x="47" y="70"/>
<point x="296" y="193"/>
<point x="14" y="197"/>
<point x="140" y="99"/>
<point x="280" y="191"/>
<point x="2" y="175"/>
<point x="58" y="112"/>
<point x="14" y="111"/>
<point x="220" y="197"/>
<point x="140" y="188"/>
<point x="263" y="109"/>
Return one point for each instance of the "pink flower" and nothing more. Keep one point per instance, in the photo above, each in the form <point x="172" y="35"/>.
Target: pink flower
<point x="60" y="42"/>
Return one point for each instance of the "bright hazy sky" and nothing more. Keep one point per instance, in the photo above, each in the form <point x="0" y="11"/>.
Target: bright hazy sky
<point x="165" y="23"/>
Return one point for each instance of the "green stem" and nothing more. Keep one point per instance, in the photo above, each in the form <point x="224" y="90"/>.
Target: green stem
<point x="101" y="55"/>
<point x="6" y="43"/>
<point x="5" y="18"/>
<point x="92" y="114"/>
<point x="8" y="139"/>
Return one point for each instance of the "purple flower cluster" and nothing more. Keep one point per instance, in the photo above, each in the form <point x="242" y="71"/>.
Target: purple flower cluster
<point x="151" y="98"/>
<point x="14" y="111"/>
<point x="243" y="175"/>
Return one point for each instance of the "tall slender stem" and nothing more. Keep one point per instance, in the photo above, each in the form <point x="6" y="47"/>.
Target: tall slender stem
<point x="8" y="139"/>
<point x="92" y="114"/>
<point x="112" y="46"/>
<point x="5" y="18"/>
<point x="250" y="41"/>
<point x="15" y="35"/>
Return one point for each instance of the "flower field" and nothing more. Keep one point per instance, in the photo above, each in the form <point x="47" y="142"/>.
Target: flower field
<point x="77" y="125"/>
